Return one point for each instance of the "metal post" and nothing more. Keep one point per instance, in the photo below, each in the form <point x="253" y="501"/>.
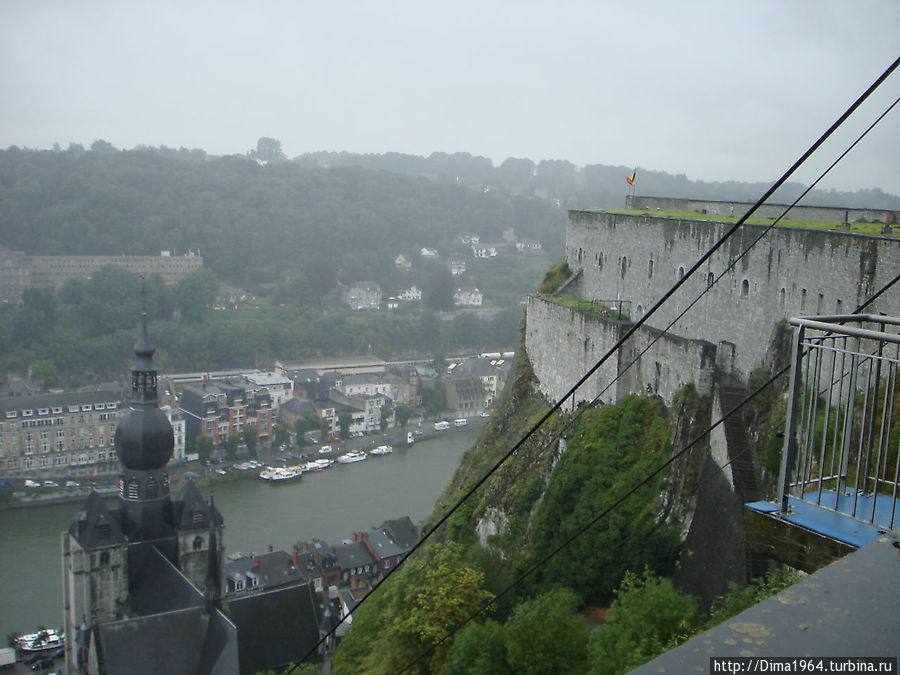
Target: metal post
<point x="789" y="451"/>
<point x="848" y="418"/>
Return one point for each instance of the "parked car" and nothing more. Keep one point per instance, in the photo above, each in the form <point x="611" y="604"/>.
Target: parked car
<point x="5" y="484"/>
<point x="31" y="483"/>
<point x="43" y="663"/>
<point x="50" y="484"/>
<point x="72" y="483"/>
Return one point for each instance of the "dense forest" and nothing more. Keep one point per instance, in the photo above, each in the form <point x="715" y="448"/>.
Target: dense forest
<point x="290" y="232"/>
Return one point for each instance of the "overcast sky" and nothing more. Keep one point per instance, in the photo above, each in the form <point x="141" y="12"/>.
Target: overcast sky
<point x="714" y="90"/>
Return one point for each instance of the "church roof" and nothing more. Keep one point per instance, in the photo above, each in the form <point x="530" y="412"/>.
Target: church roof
<point x="191" y="512"/>
<point x="185" y="641"/>
<point x="275" y="628"/>
<point x="95" y="526"/>
<point x="157" y="586"/>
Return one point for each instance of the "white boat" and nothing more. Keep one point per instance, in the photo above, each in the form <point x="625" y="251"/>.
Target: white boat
<point x="43" y="640"/>
<point x="381" y="450"/>
<point x="277" y="474"/>
<point x="353" y="456"/>
<point x="318" y="464"/>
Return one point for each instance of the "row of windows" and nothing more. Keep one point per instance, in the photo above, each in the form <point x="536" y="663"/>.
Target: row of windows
<point x="60" y="460"/>
<point x="56" y="410"/>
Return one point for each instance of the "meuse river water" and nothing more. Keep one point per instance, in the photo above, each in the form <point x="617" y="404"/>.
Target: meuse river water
<point x="329" y="505"/>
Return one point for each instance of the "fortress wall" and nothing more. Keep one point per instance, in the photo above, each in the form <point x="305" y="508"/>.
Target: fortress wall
<point x="791" y="272"/>
<point x="828" y="214"/>
<point x="564" y="343"/>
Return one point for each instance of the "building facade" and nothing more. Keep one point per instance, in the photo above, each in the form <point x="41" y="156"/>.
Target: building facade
<point x="59" y="434"/>
<point x="19" y="271"/>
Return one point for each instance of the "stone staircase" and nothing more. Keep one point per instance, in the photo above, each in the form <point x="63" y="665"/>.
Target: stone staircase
<point x="741" y="458"/>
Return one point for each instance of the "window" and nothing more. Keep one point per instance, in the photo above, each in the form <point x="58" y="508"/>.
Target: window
<point x="104" y="555"/>
<point x="650" y="269"/>
<point x="710" y="280"/>
<point x="781" y="296"/>
<point x="802" y="299"/>
<point x="680" y="273"/>
<point x="745" y="288"/>
<point x="198" y="543"/>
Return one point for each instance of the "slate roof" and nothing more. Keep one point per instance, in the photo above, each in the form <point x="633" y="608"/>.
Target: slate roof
<point x="404" y="532"/>
<point x="383" y="544"/>
<point x="190" y="510"/>
<point x="299" y="406"/>
<point x="354" y="554"/>
<point x="96" y="526"/>
<point x="157" y="586"/>
<point x="185" y="641"/>
<point x="276" y="569"/>
<point x="274" y="628"/>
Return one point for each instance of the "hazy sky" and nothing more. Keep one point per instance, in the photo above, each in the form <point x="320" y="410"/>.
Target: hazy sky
<point x="714" y="90"/>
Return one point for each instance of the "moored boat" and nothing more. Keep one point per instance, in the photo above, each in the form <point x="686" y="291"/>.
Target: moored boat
<point x="277" y="474"/>
<point x="318" y="464"/>
<point x="352" y="456"/>
<point x="43" y="640"/>
<point x="381" y="450"/>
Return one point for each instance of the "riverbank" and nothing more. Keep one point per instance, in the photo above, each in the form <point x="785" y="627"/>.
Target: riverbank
<point x="328" y="505"/>
<point x="20" y="497"/>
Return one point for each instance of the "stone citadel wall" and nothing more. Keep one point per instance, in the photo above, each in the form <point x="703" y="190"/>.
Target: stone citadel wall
<point x="827" y="214"/>
<point x="790" y="272"/>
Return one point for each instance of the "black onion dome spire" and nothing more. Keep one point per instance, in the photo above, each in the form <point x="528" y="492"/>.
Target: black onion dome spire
<point x="144" y="437"/>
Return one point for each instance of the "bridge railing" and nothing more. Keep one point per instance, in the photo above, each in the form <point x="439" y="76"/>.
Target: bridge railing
<point x="842" y="428"/>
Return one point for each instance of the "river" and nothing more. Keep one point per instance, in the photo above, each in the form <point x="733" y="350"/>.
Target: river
<point x="329" y="505"/>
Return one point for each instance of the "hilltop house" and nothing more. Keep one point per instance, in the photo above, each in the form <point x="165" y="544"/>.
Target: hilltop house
<point x="362" y="295"/>
<point x="468" y="297"/>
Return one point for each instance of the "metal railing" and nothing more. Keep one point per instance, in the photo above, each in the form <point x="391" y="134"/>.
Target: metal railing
<point x="842" y="428"/>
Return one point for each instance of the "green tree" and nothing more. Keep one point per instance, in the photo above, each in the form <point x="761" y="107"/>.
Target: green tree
<point x="478" y="648"/>
<point x="439" y="289"/>
<point x="250" y="435"/>
<point x="647" y="616"/>
<point x="386" y="413"/>
<point x="196" y="294"/>
<point x="547" y="635"/>
<point x="231" y="445"/>
<point x="449" y="592"/>
<point x="36" y="317"/>
<point x="402" y="413"/>
<point x="434" y="400"/>
<point x="45" y="371"/>
<point x="281" y="434"/>
<point x="344" y="420"/>
<point x="204" y="447"/>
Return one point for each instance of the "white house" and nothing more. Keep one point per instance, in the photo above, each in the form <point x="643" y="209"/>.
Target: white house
<point x="176" y="419"/>
<point x="467" y="238"/>
<point x="362" y="295"/>
<point x="429" y="253"/>
<point x="485" y="251"/>
<point x="468" y="297"/>
<point x="410" y="294"/>
<point x="402" y="264"/>
<point x="280" y="386"/>
<point x="457" y="266"/>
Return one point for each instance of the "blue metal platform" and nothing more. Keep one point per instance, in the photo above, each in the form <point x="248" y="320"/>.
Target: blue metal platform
<point x="838" y="524"/>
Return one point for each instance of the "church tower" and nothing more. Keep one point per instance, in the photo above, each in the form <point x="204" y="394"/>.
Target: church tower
<point x="145" y="443"/>
<point x="149" y="555"/>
